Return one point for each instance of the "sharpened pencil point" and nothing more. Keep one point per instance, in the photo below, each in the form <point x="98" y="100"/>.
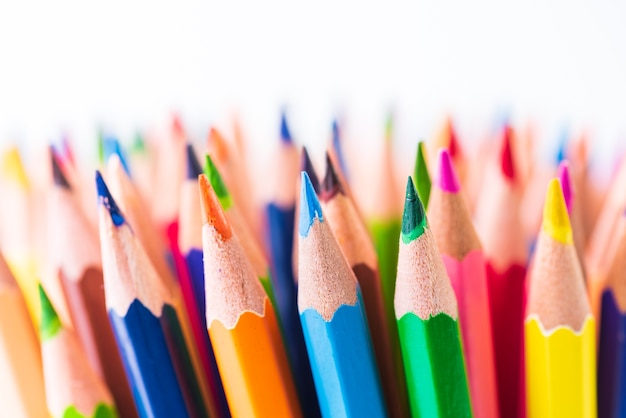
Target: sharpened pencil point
<point x="506" y="157"/>
<point x="111" y="146"/>
<point x="12" y="168"/>
<point x="212" y="212"/>
<point x="555" y="218"/>
<point x="389" y="127"/>
<point x="57" y="173"/>
<point x="215" y="178"/>
<point x="285" y="134"/>
<point x="421" y="177"/>
<point x="566" y="184"/>
<point x="106" y="199"/>
<point x="414" y="216"/>
<point x="50" y="323"/>
<point x="310" y="208"/>
<point x="331" y="184"/>
<point x="447" y="181"/>
<point x="193" y="165"/>
<point x="307" y="165"/>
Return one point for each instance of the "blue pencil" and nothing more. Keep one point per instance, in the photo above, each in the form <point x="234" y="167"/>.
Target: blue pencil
<point x="280" y="214"/>
<point x="333" y="320"/>
<point x="612" y="347"/>
<point x="145" y="324"/>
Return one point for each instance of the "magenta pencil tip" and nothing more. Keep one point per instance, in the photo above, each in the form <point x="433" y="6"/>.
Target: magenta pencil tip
<point x="566" y="184"/>
<point x="447" y="179"/>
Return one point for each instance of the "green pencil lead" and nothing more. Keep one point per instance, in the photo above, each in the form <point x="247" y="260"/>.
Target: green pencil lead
<point x="414" y="217"/>
<point x="50" y="322"/>
<point x="216" y="181"/>
<point x="421" y="177"/>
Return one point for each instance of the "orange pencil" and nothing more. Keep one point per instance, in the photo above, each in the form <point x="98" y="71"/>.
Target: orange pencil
<point x="241" y="323"/>
<point x="21" y="382"/>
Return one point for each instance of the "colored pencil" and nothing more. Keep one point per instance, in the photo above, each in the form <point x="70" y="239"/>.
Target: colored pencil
<point x="21" y="376"/>
<point x="559" y="328"/>
<point x="357" y="247"/>
<point x="192" y="282"/>
<point x="603" y="241"/>
<point x="464" y="261"/>
<point x="147" y="326"/>
<point x="334" y="320"/>
<point x="427" y="316"/>
<point x="382" y="214"/>
<point x="421" y="176"/>
<point x="241" y="322"/>
<point x="16" y="234"/>
<point x="75" y="257"/>
<point x="336" y="151"/>
<point x="612" y="347"/>
<point x="228" y="157"/>
<point x="73" y="388"/>
<point x="241" y="228"/>
<point x="136" y="210"/>
<point x="572" y="201"/>
<point x="279" y="231"/>
<point x="500" y="227"/>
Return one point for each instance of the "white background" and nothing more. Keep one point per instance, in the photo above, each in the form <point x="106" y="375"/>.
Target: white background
<point x="126" y="65"/>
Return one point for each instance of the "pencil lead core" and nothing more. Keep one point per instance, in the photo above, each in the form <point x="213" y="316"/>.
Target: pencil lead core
<point x="421" y="176"/>
<point x="310" y="208"/>
<point x="307" y="165"/>
<point x="414" y="216"/>
<point x="215" y="178"/>
<point x="506" y="157"/>
<point x="106" y="199"/>
<point x="57" y="173"/>
<point x="566" y="185"/>
<point x="193" y="165"/>
<point x="285" y="133"/>
<point x="555" y="218"/>
<point x="50" y="323"/>
<point x="212" y="212"/>
<point x="110" y="146"/>
<point x="331" y="184"/>
<point x="447" y="180"/>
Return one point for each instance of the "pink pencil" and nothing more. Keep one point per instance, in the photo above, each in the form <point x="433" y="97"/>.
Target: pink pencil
<point x="464" y="261"/>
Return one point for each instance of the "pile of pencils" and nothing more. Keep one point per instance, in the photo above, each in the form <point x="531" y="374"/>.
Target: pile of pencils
<point x="164" y="289"/>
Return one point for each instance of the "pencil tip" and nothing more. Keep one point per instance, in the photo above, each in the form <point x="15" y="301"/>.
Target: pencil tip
<point x="215" y="178"/>
<point x="12" y="167"/>
<point x="57" y="173"/>
<point x="561" y="152"/>
<point x="331" y="184"/>
<point x="307" y="165"/>
<point x="193" y="165"/>
<point x="506" y="157"/>
<point x="285" y="133"/>
<point x="310" y="208"/>
<point x="566" y="184"/>
<point x="414" y="216"/>
<point x="111" y="146"/>
<point x="421" y="175"/>
<point x="106" y="199"/>
<point x="555" y="218"/>
<point x="448" y="180"/>
<point x="452" y="139"/>
<point x="212" y="212"/>
<point x="338" y="149"/>
<point x="50" y="323"/>
<point x="389" y="127"/>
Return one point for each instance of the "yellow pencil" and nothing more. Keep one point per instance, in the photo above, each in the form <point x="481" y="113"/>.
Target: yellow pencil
<point x="559" y="327"/>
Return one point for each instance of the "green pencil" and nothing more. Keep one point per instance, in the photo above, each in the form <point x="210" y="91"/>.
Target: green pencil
<point x="73" y="389"/>
<point x="426" y="311"/>
<point x="421" y="177"/>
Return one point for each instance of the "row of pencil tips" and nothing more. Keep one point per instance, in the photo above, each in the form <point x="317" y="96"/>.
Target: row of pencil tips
<point x="491" y="287"/>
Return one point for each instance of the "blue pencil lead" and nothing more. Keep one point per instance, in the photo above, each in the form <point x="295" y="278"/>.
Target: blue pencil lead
<point x="106" y="199"/>
<point x="110" y="146"/>
<point x="310" y="208"/>
<point x="193" y="165"/>
<point x="285" y="134"/>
